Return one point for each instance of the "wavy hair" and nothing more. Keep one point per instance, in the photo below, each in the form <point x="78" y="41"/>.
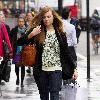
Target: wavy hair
<point x="38" y="20"/>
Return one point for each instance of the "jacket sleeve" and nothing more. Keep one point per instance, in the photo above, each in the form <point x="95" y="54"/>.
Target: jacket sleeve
<point x="74" y="38"/>
<point x="24" y="39"/>
<point x="66" y="53"/>
<point x="6" y="37"/>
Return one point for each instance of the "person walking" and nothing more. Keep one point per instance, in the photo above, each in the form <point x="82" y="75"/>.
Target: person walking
<point x="4" y="38"/>
<point x="29" y="17"/>
<point x="73" y="19"/>
<point x="52" y="52"/>
<point x="17" y="32"/>
<point x="95" y="30"/>
<point x="71" y="35"/>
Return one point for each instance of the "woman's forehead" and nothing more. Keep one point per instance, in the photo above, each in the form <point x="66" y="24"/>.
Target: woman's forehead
<point x="48" y="13"/>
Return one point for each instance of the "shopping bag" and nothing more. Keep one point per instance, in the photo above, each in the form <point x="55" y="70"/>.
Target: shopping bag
<point x="5" y="69"/>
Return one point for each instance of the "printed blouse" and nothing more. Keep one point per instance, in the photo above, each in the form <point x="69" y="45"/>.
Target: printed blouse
<point x="51" y="53"/>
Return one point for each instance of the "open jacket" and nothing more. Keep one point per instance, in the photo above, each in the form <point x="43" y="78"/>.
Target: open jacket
<point x="67" y="63"/>
<point x="4" y="36"/>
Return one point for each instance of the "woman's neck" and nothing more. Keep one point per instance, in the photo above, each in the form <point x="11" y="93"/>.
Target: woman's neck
<point x="50" y="28"/>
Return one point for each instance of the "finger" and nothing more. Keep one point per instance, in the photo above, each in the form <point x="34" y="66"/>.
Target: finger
<point x="38" y="27"/>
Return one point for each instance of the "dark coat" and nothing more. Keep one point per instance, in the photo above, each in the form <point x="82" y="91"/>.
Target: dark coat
<point x="13" y="38"/>
<point x="67" y="62"/>
<point x="8" y="29"/>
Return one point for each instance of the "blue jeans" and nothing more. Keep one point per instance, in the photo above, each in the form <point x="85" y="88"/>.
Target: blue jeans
<point x="50" y="82"/>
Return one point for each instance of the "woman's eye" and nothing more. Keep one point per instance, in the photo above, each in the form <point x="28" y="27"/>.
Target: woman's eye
<point x="48" y="16"/>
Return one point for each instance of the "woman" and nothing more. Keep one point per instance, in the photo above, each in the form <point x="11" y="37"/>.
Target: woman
<point x="52" y="52"/>
<point x="4" y="38"/>
<point x="16" y="33"/>
<point x="29" y="17"/>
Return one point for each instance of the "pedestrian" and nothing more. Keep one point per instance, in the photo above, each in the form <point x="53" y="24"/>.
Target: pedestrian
<point x="7" y="59"/>
<point x="16" y="33"/>
<point x="95" y="29"/>
<point x="74" y="20"/>
<point x="52" y="52"/>
<point x="4" y="38"/>
<point x="4" y="21"/>
<point x="29" y="17"/>
<point x="71" y="36"/>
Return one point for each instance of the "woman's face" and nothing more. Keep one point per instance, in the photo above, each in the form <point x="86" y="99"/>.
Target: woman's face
<point x="21" y="22"/>
<point x="48" y="18"/>
<point x="29" y="17"/>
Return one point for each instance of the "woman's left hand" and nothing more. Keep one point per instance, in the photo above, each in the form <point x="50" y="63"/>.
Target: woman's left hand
<point x="75" y="75"/>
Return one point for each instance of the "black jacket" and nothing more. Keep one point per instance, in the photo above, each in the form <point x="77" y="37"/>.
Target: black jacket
<point x="67" y="62"/>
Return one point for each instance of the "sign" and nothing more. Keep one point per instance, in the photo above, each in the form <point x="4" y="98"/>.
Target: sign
<point x="50" y="3"/>
<point x="68" y="2"/>
<point x="53" y="3"/>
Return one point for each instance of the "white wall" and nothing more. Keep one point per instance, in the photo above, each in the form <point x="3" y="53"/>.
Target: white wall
<point x="92" y="5"/>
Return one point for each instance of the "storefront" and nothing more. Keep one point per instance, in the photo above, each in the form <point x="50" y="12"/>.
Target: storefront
<point x="18" y="6"/>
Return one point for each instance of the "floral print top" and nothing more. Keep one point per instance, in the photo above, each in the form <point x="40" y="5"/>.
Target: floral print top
<point x="51" y="53"/>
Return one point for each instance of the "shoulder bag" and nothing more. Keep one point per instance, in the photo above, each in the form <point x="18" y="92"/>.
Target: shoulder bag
<point x="28" y="55"/>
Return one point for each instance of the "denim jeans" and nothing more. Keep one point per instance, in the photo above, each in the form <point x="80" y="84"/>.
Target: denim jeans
<point x="50" y="82"/>
<point x="53" y="95"/>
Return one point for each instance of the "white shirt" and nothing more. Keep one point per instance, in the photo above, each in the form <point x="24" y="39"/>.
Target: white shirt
<point x="51" y="53"/>
<point x="70" y="33"/>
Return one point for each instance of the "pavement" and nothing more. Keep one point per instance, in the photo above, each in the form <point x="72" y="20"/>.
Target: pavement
<point x="10" y="91"/>
<point x="84" y="90"/>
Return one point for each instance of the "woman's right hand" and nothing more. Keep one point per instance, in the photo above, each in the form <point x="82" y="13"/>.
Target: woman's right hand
<point x="35" y="31"/>
<point x="0" y="57"/>
<point x="10" y="54"/>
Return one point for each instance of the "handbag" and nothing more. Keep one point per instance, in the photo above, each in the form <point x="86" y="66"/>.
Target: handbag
<point x="5" y="69"/>
<point x="17" y="59"/>
<point x="28" y="55"/>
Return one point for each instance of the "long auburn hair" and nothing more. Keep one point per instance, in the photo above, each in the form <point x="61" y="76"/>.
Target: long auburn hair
<point x="38" y="20"/>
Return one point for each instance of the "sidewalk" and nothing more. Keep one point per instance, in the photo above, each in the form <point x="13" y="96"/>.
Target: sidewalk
<point x="89" y="90"/>
<point x="10" y="91"/>
<point x="93" y="86"/>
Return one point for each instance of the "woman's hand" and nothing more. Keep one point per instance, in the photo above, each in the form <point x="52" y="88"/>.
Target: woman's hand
<point x="75" y="75"/>
<point x="0" y="57"/>
<point x="35" y="31"/>
<point x="10" y="55"/>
